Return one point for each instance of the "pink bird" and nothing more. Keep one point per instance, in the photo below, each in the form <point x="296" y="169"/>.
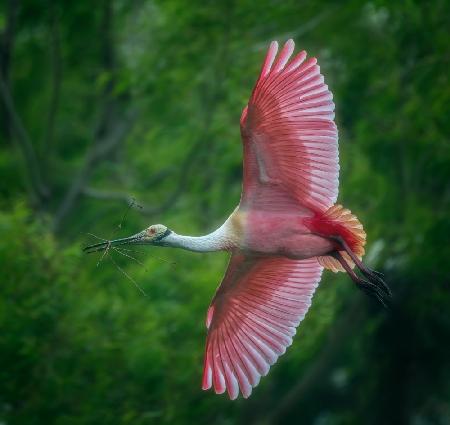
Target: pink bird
<point x="286" y="229"/>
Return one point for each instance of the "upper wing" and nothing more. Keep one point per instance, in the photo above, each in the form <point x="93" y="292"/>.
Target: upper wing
<point x="253" y="317"/>
<point x="289" y="136"/>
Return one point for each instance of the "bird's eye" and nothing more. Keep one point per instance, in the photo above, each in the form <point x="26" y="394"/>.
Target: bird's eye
<point x="151" y="231"/>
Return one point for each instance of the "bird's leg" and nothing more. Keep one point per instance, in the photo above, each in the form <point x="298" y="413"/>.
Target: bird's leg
<point x="370" y="287"/>
<point x="372" y="275"/>
<point x="365" y="270"/>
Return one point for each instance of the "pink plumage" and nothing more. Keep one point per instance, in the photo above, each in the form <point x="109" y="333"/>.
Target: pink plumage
<point x="286" y="229"/>
<point x="289" y="134"/>
<point x="290" y="169"/>
<point x="257" y="308"/>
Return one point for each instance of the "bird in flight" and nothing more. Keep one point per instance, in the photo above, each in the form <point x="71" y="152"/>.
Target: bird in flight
<point x="286" y="229"/>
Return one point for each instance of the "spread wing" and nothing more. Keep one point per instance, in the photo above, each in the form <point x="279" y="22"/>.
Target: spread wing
<point x="253" y="317"/>
<point x="289" y="135"/>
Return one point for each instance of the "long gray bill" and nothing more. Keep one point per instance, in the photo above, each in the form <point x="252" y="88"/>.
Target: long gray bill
<point x="106" y="244"/>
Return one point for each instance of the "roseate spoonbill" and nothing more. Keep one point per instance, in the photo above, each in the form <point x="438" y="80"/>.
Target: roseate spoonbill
<point x="285" y="230"/>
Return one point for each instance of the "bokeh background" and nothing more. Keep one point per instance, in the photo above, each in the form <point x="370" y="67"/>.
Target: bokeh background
<point x="102" y="102"/>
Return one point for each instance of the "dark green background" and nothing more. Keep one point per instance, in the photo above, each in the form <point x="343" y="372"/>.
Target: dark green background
<point x="108" y="100"/>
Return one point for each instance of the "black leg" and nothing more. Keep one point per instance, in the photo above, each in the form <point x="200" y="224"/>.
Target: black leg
<point x="374" y="286"/>
<point x="372" y="275"/>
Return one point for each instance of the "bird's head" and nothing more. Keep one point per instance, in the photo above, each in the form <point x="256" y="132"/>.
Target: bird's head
<point x="155" y="234"/>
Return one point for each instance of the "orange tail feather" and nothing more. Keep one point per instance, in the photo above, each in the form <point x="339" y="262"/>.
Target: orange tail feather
<point x="349" y="228"/>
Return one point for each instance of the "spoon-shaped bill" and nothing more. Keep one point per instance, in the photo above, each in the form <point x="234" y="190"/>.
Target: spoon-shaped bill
<point x="102" y="246"/>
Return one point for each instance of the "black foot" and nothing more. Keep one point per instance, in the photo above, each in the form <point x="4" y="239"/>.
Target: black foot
<point x="377" y="279"/>
<point x="374" y="292"/>
<point x="371" y="271"/>
<point x="375" y="287"/>
<point x="372" y="284"/>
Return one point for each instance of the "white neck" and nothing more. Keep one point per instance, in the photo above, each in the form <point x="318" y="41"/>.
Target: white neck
<point x="219" y="240"/>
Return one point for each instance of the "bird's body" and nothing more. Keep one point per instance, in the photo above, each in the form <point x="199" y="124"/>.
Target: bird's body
<point x="285" y="234"/>
<point x="284" y="231"/>
<point x="258" y="232"/>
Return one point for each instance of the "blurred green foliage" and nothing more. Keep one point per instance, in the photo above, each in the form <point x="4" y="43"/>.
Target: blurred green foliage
<point x="104" y="102"/>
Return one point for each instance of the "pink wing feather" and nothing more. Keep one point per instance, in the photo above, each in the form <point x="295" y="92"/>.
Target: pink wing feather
<point x="253" y="318"/>
<point x="289" y="136"/>
<point x="290" y="162"/>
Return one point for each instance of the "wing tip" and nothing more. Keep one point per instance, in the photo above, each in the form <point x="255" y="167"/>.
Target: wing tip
<point x="207" y="375"/>
<point x="270" y="57"/>
<point x="235" y="365"/>
<point x="273" y="44"/>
